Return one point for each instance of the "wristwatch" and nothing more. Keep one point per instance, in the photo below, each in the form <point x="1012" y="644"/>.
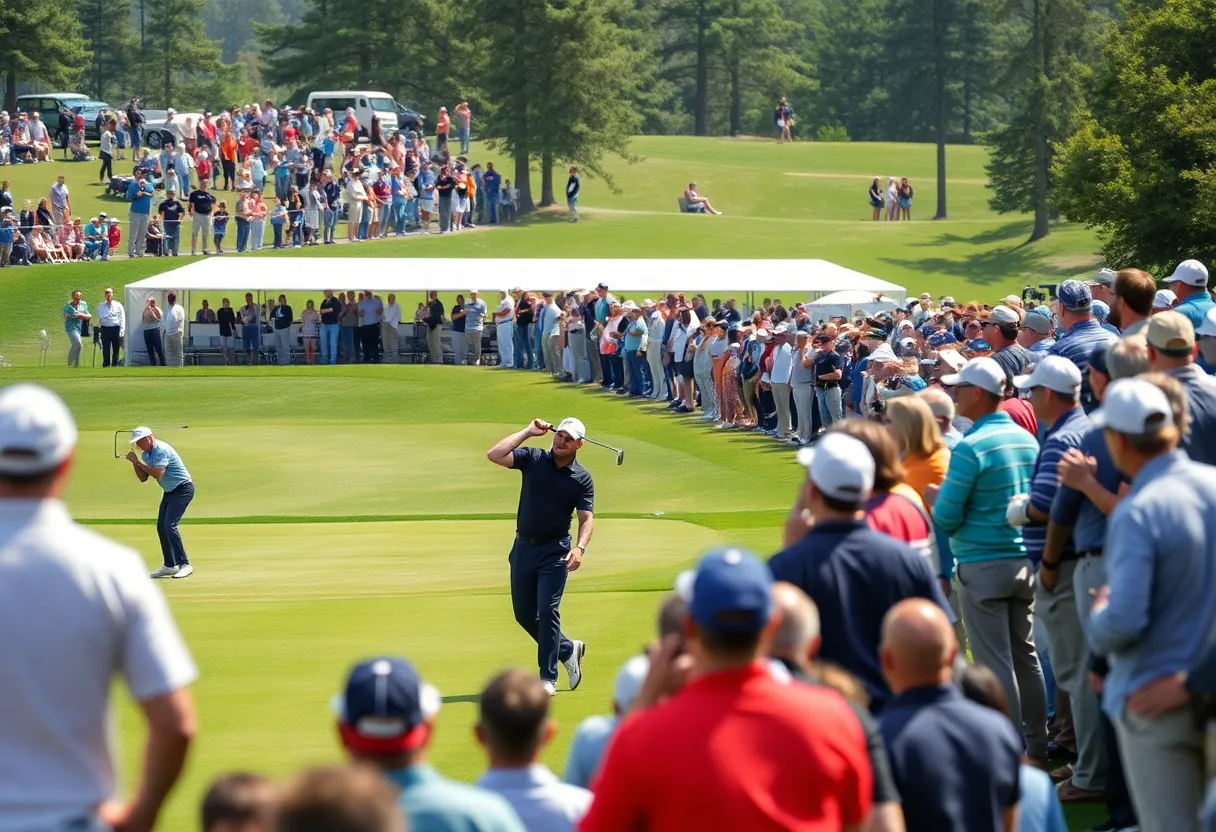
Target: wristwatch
<point x="582" y="549"/>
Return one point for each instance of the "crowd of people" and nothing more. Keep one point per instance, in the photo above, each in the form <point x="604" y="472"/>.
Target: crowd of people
<point x="1031" y="482"/>
<point x="894" y="202"/>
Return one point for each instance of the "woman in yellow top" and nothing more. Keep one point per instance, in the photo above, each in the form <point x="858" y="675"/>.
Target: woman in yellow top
<point x="925" y="456"/>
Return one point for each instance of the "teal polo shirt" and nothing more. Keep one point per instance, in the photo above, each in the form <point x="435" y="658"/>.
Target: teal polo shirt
<point x="437" y="804"/>
<point x="992" y="463"/>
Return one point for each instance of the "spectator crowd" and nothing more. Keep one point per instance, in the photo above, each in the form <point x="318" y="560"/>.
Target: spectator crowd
<point x="1031" y="485"/>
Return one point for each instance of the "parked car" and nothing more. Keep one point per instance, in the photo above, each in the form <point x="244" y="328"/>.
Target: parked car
<point x="163" y="130"/>
<point x="95" y="113"/>
<point x="409" y="117"/>
<point x="367" y="105"/>
<point x="48" y="105"/>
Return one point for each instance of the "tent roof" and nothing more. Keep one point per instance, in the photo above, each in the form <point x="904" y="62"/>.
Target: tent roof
<point x="852" y="297"/>
<point x="793" y="277"/>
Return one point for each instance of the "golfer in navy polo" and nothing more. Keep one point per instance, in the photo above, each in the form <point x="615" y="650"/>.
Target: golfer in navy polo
<point x="554" y="486"/>
<point x="160" y="462"/>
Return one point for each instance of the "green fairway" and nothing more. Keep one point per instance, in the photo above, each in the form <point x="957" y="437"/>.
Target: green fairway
<point x="805" y="200"/>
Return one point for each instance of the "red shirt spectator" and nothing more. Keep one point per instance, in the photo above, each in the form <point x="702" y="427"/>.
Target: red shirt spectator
<point x="736" y="750"/>
<point x="114" y="234"/>
<point x="247" y="145"/>
<point x="290" y="134"/>
<point x="1022" y="414"/>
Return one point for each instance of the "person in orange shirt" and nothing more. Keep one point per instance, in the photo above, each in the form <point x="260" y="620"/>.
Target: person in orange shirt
<point x="925" y="456"/>
<point x="442" y="126"/>
<point x="471" y="181"/>
<point x="228" y="155"/>
<point x="735" y="747"/>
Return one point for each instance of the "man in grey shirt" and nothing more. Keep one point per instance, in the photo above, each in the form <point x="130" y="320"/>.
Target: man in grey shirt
<point x="1171" y="350"/>
<point x="371" y="311"/>
<point x="475" y="323"/>
<point x="514" y="727"/>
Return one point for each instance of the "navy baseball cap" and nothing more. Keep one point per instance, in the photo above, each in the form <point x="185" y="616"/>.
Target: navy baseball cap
<point x="729" y="592"/>
<point x="978" y="345"/>
<point x="385" y="708"/>
<point x="1075" y="296"/>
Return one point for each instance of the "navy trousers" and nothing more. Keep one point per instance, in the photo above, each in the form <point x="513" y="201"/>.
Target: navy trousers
<point x="172" y="506"/>
<point x="538" y="579"/>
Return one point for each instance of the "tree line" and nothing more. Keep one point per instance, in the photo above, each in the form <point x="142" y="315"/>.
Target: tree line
<point x="1055" y="88"/>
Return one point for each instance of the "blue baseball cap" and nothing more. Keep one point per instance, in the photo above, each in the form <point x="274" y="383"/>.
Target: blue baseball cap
<point x="1075" y="296"/>
<point x="1101" y="311"/>
<point x="729" y="592"/>
<point x="937" y="339"/>
<point x="978" y="345"/>
<point x="385" y="707"/>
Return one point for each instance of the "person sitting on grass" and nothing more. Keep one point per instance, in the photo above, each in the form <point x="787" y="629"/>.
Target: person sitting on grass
<point x="697" y="204"/>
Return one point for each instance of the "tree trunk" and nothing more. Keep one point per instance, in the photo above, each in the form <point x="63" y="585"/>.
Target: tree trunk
<point x="736" y="103"/>
<point x="967" y="111"/>
<point x="939" y="101"/>
<point x="1042" y="217"/>
<point x="701" y="108"/>
<point x="546" y="180"/>
<point x="142" y="62"/>
<point x="168" y="75"/>
<point x="523" y="181"/>
<point x="10" y="90"/>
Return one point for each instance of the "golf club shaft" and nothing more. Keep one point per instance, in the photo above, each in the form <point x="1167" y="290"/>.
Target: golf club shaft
<point x="593" y="442"/>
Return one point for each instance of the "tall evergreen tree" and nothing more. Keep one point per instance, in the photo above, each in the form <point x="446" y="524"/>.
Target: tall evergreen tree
<point x="178" y="46"/>
<point x="230" y="23"/>
<point x="40" y="39"/>
<point x="111" y="37"/>
<point x="756" y="42"/>
<point x="690" y="49"/>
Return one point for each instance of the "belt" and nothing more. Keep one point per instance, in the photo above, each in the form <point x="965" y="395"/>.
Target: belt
<point x="828" y="385"/>
<point x="537" y="542"/>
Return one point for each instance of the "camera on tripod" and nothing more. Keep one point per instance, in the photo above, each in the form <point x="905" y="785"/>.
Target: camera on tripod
<point x="1045" y="292"/>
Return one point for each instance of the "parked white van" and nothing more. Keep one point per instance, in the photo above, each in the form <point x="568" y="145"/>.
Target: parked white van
<point x="367" y="105"/>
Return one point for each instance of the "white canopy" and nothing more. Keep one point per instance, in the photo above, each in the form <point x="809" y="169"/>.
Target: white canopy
<point x="791" y="280"/>
<point x="844" y="303"/>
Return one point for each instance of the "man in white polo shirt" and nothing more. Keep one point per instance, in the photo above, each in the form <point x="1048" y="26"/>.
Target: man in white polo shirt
<point x="390" y="328"/>
<point x="75" y="610"/>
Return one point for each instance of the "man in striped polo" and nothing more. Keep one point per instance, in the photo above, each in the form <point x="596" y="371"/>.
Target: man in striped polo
<point x="992" y="464"/>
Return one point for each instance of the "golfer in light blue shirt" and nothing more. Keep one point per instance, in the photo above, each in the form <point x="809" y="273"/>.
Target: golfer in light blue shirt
<point x="160" y="462"/>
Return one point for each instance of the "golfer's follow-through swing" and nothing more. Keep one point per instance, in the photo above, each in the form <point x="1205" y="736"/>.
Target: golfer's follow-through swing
<point x="553" y="487"/>
<point x="160" y="462"/>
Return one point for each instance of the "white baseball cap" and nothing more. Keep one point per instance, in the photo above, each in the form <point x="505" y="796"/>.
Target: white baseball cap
<point x="1004" y="315"/>
<point x="37" y="431"/>
<point x="983" y="373"/>
<point x="629" y="681"/>
<point x="953" y="359"/>
<point x="883" y="353"/>
<point x="1190" y="272"/>
<point x="841" y="466"/>
<point x="1055" y="372"/>
<point x="1207" y="329"/>
<point x="570" y="426"/>
<point x="141" y="432"/>
<point x="1134" y="406"/>
<point x="1164" y="299"/>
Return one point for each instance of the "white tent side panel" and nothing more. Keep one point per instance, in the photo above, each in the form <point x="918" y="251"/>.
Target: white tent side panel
<point x="793" y="279"/>
<point x="843" y="304"/>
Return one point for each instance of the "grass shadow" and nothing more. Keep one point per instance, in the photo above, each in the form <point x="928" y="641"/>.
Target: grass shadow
<point x="990" y="266"/>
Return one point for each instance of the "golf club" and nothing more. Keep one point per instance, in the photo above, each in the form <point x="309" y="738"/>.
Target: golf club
<point x="153" y="428"/>
<point x="620" y="455"/>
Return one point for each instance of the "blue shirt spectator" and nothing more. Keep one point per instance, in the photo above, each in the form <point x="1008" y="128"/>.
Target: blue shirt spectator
<point x="436" y="804"/>
<point x="1039" y="808"/>
<point x="1072" y="508"/>
<point x="1160" y="547"/>
<point x="855" y="575"/>
<point x="1200" y="439"/>
<point x="1067" y="432"/>
<point x="1077" y="345"/>
<point x="140" y="195"/>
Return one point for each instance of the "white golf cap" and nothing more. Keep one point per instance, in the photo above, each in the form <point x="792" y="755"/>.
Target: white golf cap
<point x="905" y="323"/>
<point x="1133" y="406"/>
<point x="37" y="431"/>
<point x="571" y="427"/>
<point x="952" y="359"/>
<point x="1164" y="299"/>
<point x="1055" y="372"/>
<point x="631" y="306"/>
<point x="1190" y="272"/>
<point x="629" y="681"/>
<point x="141" y="432"/>
<point x="983" y="373"/>
<point x="840" y="466"/>
<point x="883" y="353"/>
<point x="1004" y="315"/>
<point x="1207" y="329"/>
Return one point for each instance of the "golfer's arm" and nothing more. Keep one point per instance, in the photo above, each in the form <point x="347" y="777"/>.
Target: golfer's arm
<point x="171" y="727"/>
<point x="146" y="471"/>
<point x="139" y="471"/>
<point x="501" y="454"/>
<point x="586" y="525"/>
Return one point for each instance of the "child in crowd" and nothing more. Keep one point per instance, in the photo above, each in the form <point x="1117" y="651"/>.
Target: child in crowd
<point x="113" y="233"/>
<point x="219" y="226"/>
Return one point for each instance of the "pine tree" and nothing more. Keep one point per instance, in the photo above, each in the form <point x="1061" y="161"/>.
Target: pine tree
<point x="177" y="45"/>
<point x="689" y="50"/>
<point x="230" y="23"/>
<point x="111" y="38"/>
<point x="40" y="39"/>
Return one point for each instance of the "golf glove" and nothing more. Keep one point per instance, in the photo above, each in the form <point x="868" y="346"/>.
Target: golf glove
<point x="1016" y="515"/>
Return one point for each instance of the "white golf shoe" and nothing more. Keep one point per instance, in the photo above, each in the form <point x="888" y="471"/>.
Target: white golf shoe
<point x="574" y="664"/>
<point x="184" y="571"/>
<point x="550" y="688"/>
<point x="165" y="572"/>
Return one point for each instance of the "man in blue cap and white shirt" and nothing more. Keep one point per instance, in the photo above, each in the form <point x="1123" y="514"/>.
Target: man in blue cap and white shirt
<point x="160" y="462"/>
<point x="1154" y="615"/>
<point x="386" y="716"/>
<point x="1189" y="282"/>
<point x="1080" y="333"/>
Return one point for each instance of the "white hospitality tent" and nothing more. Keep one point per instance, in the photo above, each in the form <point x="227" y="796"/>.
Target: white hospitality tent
<point x="844" y="303"/>
<point x="791" y="280"/>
